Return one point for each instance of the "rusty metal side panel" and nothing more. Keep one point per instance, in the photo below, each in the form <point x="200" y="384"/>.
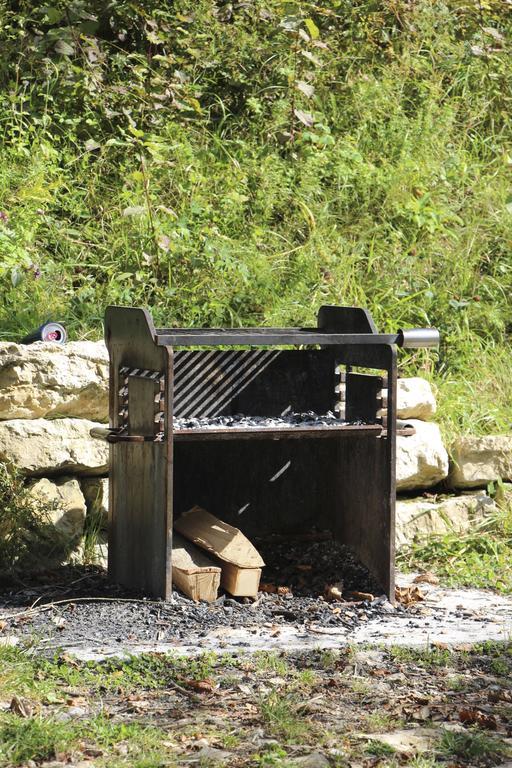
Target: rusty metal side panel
<point x="365" y="519"/>
<point x="140" y="480"/>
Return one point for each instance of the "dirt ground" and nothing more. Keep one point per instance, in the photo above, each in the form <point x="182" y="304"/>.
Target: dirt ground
<point x="357" y="707"/>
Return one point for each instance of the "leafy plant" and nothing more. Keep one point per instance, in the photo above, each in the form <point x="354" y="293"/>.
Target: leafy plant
<point x="279" y="712"/>
<point x="244" y="163"/>
<point x="479" y="558"/>
<point x="473" y="745"/>
<point x="26" y="532"/>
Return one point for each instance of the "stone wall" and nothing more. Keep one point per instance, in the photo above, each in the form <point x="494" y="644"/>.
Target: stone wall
<point x="52" y="395"/>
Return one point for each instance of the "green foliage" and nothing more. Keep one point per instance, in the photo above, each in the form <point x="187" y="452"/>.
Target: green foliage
<point x="26" y="532"/>
<point x="33" y="739"/>
<point x="46" y="739"/>
<point x="378" y="749"/>
<point x="429" y="658"/>
<point x="244" y="163"/>
<point x="479" y="558"/>
<point x="280" y="714"/>
<point x="473" y="745"/>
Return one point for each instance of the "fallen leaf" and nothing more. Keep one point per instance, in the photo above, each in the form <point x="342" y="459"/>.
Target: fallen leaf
<point x="283" y="590"/>
<point x="139" y="704"/>
<point x="423" y="713"/>
<point x="304" y="567"/>
<point x="201" y="686"/>
<point x="270" y="589"/>
<point x="306" y="88"/>
<point x="496" y="694"/>
<point x="91" y="145"/>
<point x="21" y="707"/>
<point x="64" y="48"/>
<point x="313" y="59"/>
<point x="426" y="578"/>
<point x="408" y="595"/>
<point x="305" y="117"/>
<point x="379" y="672"/>
<point x="134" y="210"/>
<point x="477" y="717"/>
<point x="496" y="34"/>
<point x="3" y="625"/>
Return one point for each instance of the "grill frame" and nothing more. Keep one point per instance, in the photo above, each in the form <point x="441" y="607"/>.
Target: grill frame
<point x="157" y="473"/>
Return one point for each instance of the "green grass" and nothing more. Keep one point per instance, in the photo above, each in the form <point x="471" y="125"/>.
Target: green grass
<point x="45" y="739"/>
<point x="37" y="677"/>
<point x="280" y="713"/>
<point x="379" y="721"/>
<point x="475" y="746"/>
<point x="163" y="731"/>
<point x="378" y="749"/>
<point x="271" y="661"/>
<point x="246" y="170"/>
<point x="480" y="558"/>
<point x="429" y="658"/>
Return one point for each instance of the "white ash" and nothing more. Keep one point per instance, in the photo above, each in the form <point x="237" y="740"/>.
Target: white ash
<point x="307" y="419"/>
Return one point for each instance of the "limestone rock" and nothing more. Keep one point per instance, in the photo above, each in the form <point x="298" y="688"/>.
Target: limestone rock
<point x="408" y="740"/>
<point x="421" y="459"/>
<point x="477" y="461"/>
<point x="54" y="380"/>
<point x="100" y="555"/>
<point x="44" y="447"/>
<point x="64" y="503"/>
<point x="214" y="756"/>
<point x="313" y="760"/>
<point x="417" y="519"/>
<point x="95" y="490"/>
<point x="415" y="399"/>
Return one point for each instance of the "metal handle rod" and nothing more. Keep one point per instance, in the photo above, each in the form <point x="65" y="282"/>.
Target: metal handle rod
<point x="414" y="338"/>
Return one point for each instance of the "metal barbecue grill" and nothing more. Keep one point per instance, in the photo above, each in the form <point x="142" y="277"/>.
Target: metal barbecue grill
<point x="281" y="436"/>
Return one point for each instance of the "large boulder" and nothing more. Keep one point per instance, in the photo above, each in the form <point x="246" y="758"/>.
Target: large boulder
<point x="417" y="519"/>
<point x="60" y="446"/>
<point x="64" y="504"/>
<point x="415" y="399"/>
<point x="477" y="461"/>
<point x="54" y="380"/>
<point x="421" y="459"/>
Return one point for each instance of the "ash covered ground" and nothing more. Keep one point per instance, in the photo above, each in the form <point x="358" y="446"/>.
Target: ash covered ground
<point x="78" y="609"/>
<point x="296" y="583"/>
